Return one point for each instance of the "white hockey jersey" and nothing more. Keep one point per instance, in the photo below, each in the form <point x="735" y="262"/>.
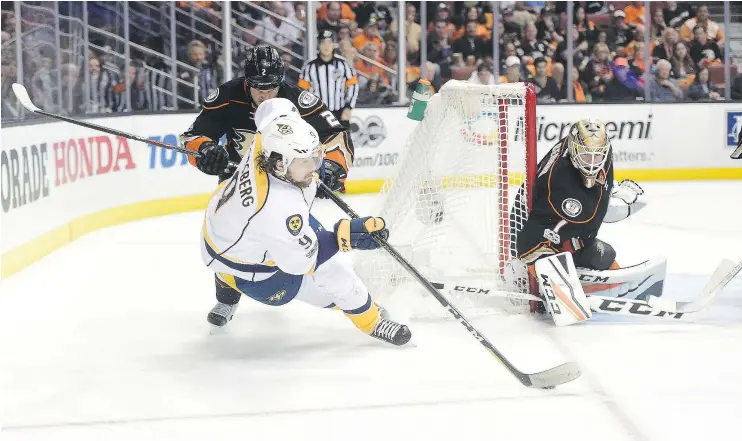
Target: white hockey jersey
<point x="256" y="223"/>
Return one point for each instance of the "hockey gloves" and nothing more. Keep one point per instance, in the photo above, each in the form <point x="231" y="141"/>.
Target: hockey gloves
<point x="214" y="158"/>
<point x="358" y="233"/>
<point x="333" y="175"/>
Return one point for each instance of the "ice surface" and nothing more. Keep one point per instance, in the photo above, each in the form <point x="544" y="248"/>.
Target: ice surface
<point x="106" y="339"/>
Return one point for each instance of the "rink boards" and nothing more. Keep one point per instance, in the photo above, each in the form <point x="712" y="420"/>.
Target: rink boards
<point x="60" y="181"/>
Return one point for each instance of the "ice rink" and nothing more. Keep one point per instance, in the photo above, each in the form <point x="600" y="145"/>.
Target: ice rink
<point x="106" y="339"/>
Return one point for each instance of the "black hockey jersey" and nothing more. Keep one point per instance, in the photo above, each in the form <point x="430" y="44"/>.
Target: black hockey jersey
<point x="565" y="215"/>
<point x="230" y="111"/>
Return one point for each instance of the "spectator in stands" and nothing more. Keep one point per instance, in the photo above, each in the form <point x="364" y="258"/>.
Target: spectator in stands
<point x="370" y="35"/>
<point x="675" y="14"/>
<point x="701" y="89"/>
<point x="471" y="43"/>
<point x="585" y="27"/>
<point x="597" y="66"/>
<point x="521" y="16"/>
<point x="72" y="100"/>
<point x="347" y="51"/>
<point x="683" y="67"/>
<point x="580" y="93"/>
<point x="511" y="29"/>
<point x="344" y="34"/>
<point x="622" y="34"/>
<point x="10" y="105"/>
<point x="507" y="51"/>
<point x="276" y="31"/>
<point x="632" y="85"/>
<point x="483" y="75"/>
<point x="631" y="48"/>
<point x="658" y="25"/>
<point x="137" y="90"/>
<point x="661" y="87"/>
<point x="365" y="10"/>
<point x="101" y="87"/>
<point x="412" y="29"/>
<point x="347" y="15"/>
<point x="376" y="92"/>
<point x="635" y="15"/>
<point x="442" y="13"/>
<point x="532" y="48"/>
<point x="205" y="80"/>
<point x="472" y="15"/>
<point x="610" y="88"/>
<point x="439" y="44"/>
<point x="367" y="68"/>
<point x="546" y="88"/>
<point x="713" y="31"/>
<point x="557" y="73"/>
<point x="579" y="50"/>
<point x="702" y="50"/>
<point x="513" y="72"/>
<point x="666" y="48"/>
<point x="390" y="54"/>
<point x="332" y="21"/>
<point x="636" y="62"/>
<point x="547" y="26"/>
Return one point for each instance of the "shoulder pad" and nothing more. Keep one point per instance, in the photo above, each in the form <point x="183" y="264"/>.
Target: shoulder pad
<point x="231" y="90"/>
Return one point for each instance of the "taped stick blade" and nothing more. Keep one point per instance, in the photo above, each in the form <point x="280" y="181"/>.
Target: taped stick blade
<point x="555" y="376"/>
<point x="22" y="94"/>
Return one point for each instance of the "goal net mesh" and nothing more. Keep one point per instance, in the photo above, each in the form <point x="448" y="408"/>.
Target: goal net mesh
<point x="451" y="204"/>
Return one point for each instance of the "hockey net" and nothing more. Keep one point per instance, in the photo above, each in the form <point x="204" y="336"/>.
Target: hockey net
<point x="453" y="206"/>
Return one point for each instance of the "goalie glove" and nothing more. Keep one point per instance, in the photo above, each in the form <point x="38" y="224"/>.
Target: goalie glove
<point x="625" y="201"/>
<point x="358" y="233"/>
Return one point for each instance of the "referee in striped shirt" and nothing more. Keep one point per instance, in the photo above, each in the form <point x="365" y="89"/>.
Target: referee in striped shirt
<point x="331" y="78"/>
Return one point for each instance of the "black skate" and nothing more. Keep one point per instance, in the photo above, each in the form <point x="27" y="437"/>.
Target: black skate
<point x="221" y="314"/>
<point x="391" y="332"/>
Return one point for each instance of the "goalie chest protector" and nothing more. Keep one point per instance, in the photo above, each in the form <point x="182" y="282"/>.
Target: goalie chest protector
<point x="560" y="194"/>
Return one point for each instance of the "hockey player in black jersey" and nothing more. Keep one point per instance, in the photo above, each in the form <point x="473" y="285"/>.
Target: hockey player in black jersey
<point x="230" y="111"/>
<point x="573" y="195"/>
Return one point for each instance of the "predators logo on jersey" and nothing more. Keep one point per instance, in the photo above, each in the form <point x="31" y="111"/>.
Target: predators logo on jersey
<point x="294" y="224"/>
<point x="277" y="296"/>
<point x="285" y="129"/>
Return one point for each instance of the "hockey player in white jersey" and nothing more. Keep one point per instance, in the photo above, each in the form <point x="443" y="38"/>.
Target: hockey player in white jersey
<point x="260" y="239"/>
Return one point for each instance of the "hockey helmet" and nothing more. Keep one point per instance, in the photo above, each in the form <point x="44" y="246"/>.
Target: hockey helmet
<point x="589" y="148"/>
<point x="271" y="109"/>
<point x="298" y="145"/>
<point x="264" y="69"/>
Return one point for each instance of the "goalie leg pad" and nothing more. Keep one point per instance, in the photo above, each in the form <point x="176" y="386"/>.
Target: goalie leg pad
<point x="560" y="286"/>
<point x="633" y="282"/>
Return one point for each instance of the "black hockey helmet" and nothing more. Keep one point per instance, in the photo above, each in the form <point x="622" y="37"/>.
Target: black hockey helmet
<point x="264" y="68"/>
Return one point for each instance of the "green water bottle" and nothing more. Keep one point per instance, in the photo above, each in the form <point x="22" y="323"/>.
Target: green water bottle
<point x="419" y="101"/>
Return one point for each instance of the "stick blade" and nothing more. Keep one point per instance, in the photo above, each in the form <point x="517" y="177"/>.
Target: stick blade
<point x="22" y="94"/>
<point x="737" y="154"/>
<point x="555" y="376"/>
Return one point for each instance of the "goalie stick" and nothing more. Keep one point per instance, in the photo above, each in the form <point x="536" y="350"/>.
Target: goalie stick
<point x="546" y="379"/>
<point x="653" y="307"/>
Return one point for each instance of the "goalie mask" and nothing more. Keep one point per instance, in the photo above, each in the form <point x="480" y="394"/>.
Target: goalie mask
<point x="294" y="143"/>
<point x="589" y="148"/>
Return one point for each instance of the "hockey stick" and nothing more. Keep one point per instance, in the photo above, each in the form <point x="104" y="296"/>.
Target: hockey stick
<point x="22" y="94"/>
<point x="724" y="273"/>
<point x="737" y="154"/>
<point x="653" y="307"/>
<point x="546" y="379"/>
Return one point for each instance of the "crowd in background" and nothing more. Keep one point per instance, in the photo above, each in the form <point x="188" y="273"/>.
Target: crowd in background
<point x="609" y="51"/>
